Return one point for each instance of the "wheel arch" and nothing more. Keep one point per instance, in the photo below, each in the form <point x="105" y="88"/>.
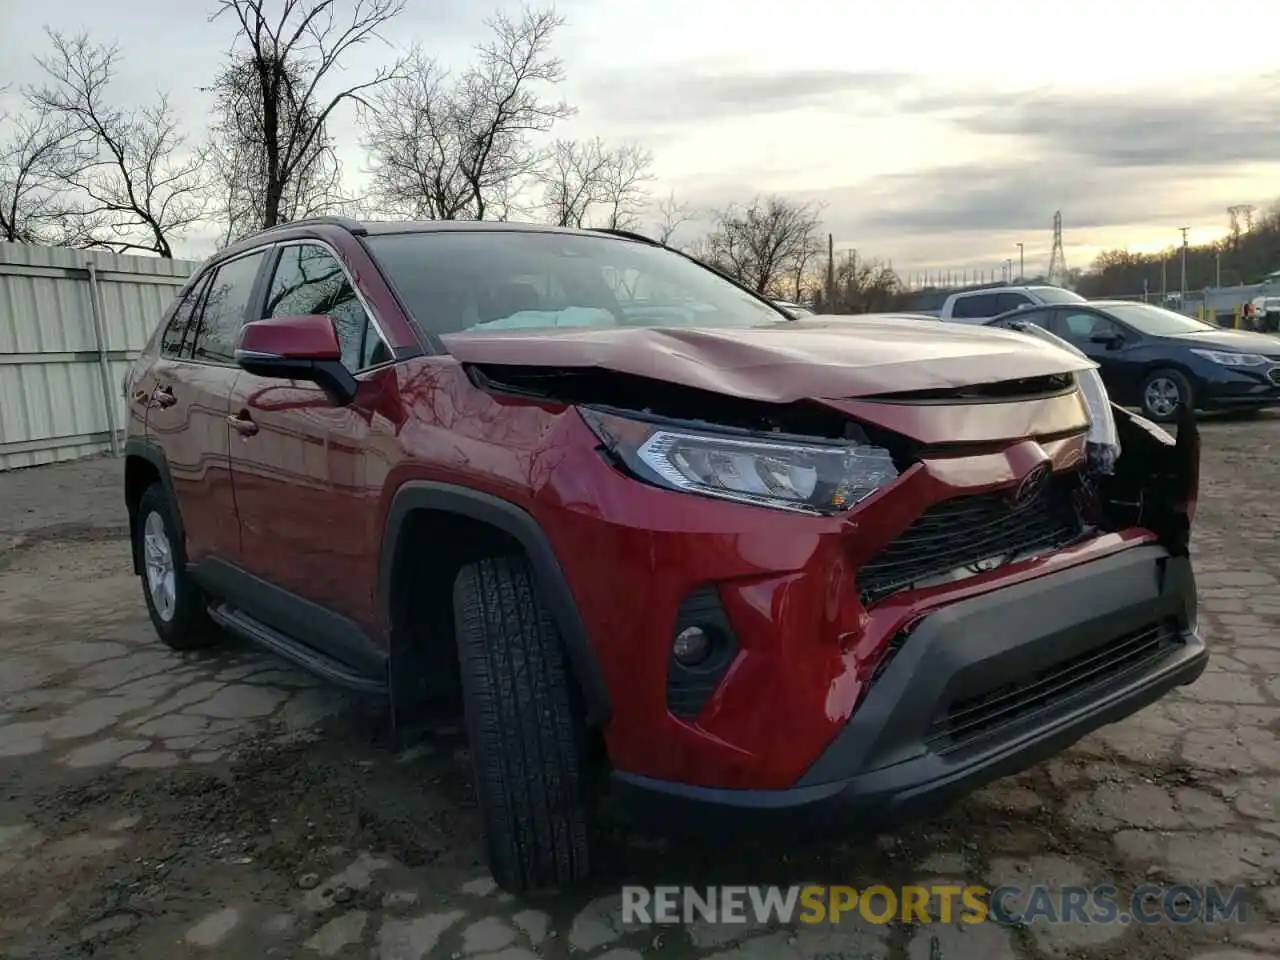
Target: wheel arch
<point x="445" y="506"/>
<point x="144" y="465"/>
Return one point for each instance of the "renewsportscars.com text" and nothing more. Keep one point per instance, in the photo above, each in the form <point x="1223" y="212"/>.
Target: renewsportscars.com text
<point x="937" y="903"/>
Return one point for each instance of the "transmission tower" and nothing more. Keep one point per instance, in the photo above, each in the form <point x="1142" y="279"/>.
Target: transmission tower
<point x="1057" y="259"/>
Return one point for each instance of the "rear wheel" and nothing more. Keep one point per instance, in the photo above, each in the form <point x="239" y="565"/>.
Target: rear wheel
<point x="525" y="727"/>
<point x="1163" y="392"/>
<point x="177" y="606"/>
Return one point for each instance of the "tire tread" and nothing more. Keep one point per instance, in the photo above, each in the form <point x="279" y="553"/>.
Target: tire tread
<point x="525" y="729"/>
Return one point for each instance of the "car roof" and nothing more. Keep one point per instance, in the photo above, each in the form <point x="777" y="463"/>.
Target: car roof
<point x="1005" y="288"/>
<point x="319" y="226"/>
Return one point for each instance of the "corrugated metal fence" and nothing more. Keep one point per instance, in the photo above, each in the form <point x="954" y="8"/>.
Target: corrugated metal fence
<point x="71" y="322"/>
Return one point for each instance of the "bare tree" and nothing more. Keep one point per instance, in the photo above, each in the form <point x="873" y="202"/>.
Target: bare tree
<point x="624" y="191"/>
<point x="237" y="153"/>
<point x="570" y="178"/>
<point x="140" y="187"/>
<point x="582" y="177"/>
<point x="766" y="243"/>
<point x="671" y="216"/>
<point x="455" y="148"/>
<point x="862" y="286"/>
<point x="270" y="96"/>
<point x="33" y="201"/>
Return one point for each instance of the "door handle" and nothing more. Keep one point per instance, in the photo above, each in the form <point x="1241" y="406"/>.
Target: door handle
<point x="243" y="424"/>
<point x="163" y="397"/>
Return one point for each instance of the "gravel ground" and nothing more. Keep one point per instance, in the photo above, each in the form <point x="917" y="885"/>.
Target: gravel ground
<point x="155" y="805"/>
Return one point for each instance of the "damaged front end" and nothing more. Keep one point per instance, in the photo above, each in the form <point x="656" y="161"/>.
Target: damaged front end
<point x="1155" y="482"/>
<point x="681" y="437"/>
<point x="1142" y="476"/>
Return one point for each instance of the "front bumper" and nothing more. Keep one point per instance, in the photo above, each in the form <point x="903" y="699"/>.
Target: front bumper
<point x="980" y="689"/>
<point x="1236" y="389"/>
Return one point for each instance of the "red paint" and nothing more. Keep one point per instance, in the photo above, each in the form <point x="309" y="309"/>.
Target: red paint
<point x="312" y="489"/>
<point x="297" y="338"/>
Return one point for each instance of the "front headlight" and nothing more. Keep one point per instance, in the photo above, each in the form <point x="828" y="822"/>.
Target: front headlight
<point x="1104" y="439"/>
<point x="1232" y="359"/>
<point x="819" y="478"/>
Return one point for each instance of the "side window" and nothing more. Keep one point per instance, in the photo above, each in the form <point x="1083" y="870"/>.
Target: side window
<point x="310" y="280"/>
<point x="179" y="331"/>
<point x="1077" y="328"/>
<point x="224" y="310"/>
<point x="975" y="307"/>
<point x="1010" y="301"/>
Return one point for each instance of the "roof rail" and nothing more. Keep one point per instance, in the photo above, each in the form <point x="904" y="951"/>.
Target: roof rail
<point x="628" y="235"/>
<point x="346" y="223"/>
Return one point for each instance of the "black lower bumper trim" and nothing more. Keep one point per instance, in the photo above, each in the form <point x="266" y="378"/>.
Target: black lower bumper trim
<point x="884" y="767"/>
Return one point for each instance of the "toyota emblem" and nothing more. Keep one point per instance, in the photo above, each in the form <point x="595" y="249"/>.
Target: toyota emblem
<point x="1031" y="485"/>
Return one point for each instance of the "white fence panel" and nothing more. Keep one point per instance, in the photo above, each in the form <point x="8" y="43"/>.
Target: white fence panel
<point x="71" y="323"/>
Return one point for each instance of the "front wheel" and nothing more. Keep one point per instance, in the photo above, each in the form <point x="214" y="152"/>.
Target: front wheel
<point x="1163" y="392"/>
<point x="525" y="728"/>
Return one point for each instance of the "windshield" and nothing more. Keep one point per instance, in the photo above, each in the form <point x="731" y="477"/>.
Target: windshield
<point x="1057" y="295"/>
<point x="494" y="280"/>
<point x="1156" y="321"/>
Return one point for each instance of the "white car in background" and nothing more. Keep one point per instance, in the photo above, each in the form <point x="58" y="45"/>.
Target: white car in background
<point x="1266" y="305"/>
<point x="976" y="306"/>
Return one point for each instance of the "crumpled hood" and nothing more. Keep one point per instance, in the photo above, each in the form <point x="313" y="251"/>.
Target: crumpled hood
<point x="817" y="357"/>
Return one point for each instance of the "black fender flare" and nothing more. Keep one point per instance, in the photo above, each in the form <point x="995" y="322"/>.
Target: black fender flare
<point x="152" y="453"/>
<point x="548" y="574"/>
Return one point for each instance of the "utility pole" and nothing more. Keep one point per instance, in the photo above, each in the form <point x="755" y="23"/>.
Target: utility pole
<point x="1008" y="269"/>
<point x="1164" y="279"/>
<point x="1022" y="264"/>
<point x="1182" y="290"/>
<point x="1217" y="269"/>
<point x="831" y="273"/>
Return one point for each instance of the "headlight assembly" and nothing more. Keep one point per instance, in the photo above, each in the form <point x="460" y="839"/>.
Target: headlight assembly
<point x="1104" y="439"/>
<point x="1227" y="359"/>
<point x="786" y="474"/>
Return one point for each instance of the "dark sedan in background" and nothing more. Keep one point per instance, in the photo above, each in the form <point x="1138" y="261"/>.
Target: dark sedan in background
<point x="1156" y="359"/>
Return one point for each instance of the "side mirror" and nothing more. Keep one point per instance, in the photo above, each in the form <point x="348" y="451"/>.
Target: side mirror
<point x="297" y="348"/>
<point x="1108" y="338"/>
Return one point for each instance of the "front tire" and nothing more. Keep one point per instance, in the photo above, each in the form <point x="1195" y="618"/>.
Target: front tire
<point x="525" y="728"/>
<point x="177" y="606"/>
<point x="1163" y="392"/>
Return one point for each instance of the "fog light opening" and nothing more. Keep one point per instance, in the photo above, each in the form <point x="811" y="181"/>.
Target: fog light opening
<point x="692" y="646"/>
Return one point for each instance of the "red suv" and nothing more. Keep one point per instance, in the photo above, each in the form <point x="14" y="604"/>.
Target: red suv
<point x="757" y="570"/>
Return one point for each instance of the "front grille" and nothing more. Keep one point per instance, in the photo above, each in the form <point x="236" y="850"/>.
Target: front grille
<point x="985" y="713"/>
<point x="971" y="535"/>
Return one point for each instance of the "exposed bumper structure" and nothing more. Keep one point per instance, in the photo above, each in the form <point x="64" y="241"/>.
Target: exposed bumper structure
<point x="979" y="689"/>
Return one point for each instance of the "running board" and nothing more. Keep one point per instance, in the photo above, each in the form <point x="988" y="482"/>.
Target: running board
<point x="314" y="662"/>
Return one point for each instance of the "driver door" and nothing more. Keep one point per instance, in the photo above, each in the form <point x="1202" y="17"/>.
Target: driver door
<point x="1106" y="342"/>
<point x="306" y="481"/>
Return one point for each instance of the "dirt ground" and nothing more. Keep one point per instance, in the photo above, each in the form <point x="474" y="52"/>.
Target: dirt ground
<point x="157" y="806"/>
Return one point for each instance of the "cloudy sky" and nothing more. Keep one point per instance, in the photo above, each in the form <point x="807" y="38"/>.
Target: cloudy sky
<point x="933" y="134"/>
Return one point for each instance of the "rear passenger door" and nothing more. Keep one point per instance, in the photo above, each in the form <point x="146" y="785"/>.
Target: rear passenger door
<point x="190" y="400"/>
<point x="307" y="475"/>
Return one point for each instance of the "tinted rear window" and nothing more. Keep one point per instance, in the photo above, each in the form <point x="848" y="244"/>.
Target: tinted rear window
<point x="979" y="305"/>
